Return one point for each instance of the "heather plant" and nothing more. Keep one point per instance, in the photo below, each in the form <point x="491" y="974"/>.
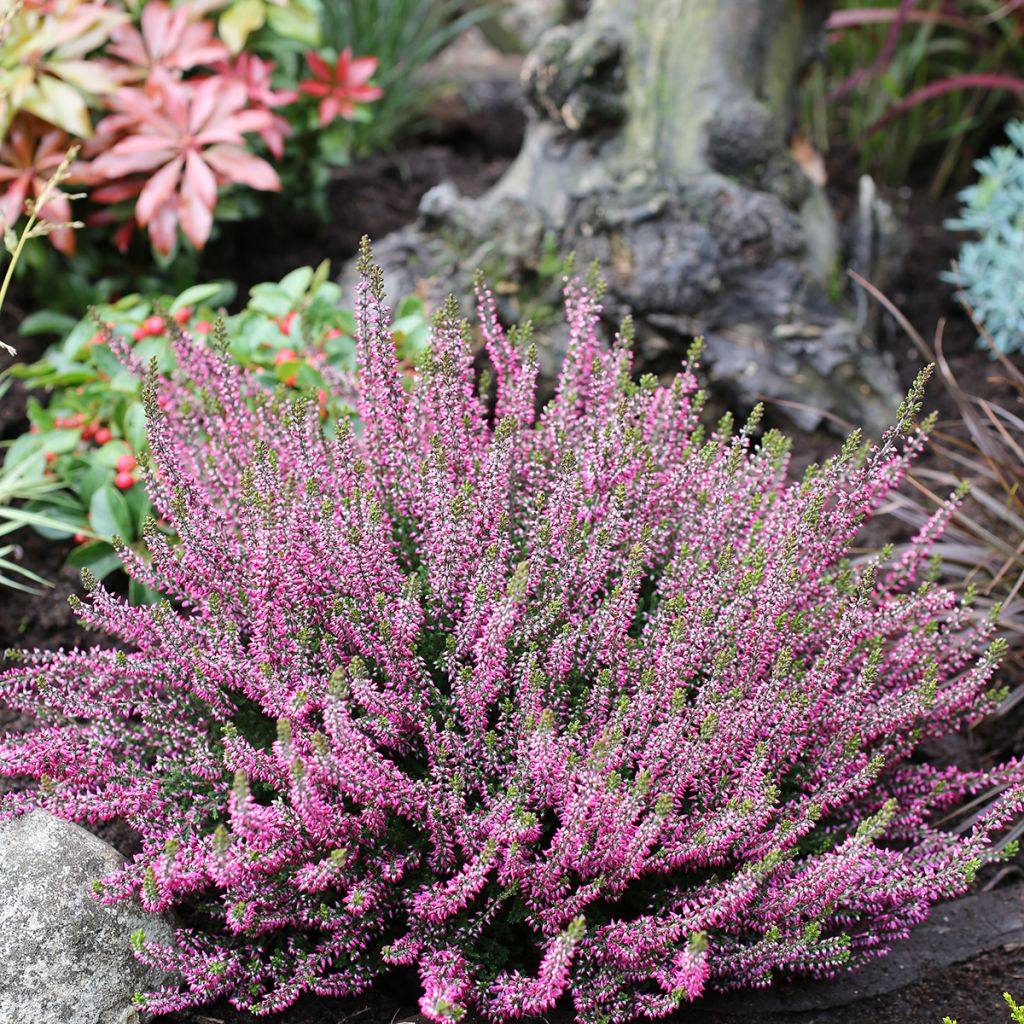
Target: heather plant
<point x="586" y="701"/>
<point x="76" y="465"/>
<point x="990" y="267"/>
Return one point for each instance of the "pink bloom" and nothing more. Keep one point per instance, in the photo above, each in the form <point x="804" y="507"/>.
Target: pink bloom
<point x="190" y="138"/>
<point x="254" y="74"/>
<point x="582" y="701"/>
<point x="28" y="157"/>
<point x="342" y="86"/>
<point x="170" y="39"/>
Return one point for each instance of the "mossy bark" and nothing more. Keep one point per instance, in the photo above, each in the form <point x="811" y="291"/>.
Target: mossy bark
<point x="662" y="90"/>
<point x="659" y="147"/>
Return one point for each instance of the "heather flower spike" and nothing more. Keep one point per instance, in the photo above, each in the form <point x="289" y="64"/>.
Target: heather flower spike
<point x="584" y="704"/>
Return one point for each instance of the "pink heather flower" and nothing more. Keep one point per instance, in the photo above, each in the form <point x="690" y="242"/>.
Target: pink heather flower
<point x="587" y="703"/>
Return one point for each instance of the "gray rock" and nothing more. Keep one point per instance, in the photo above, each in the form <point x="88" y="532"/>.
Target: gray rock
<point x="64" y="957"/>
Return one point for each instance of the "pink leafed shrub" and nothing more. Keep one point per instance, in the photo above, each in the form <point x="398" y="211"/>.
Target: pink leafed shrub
<point x="167" y="114"/>
<point x="583" y="702"/>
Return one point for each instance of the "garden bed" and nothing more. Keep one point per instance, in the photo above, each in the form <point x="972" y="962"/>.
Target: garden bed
<point x="381" y="194"/>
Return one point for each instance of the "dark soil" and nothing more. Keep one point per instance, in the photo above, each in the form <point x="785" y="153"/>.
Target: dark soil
<point x="377" y="195"/>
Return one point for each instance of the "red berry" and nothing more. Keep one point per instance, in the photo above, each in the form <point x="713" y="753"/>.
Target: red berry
<point x="284" y="356"/>
<point x="80" y="538"/>
<point x="334" y="332"/>
<point x="285" y="322"/>
<point x="51" y="457"/>
<point x="33" y="428"/>
<point x="59" y="422"/>
<point x="96" y="339"/>
<point x="291" y="380"/>
<point x="126" y="463"/>
<point x="89" y="431"/>
<point x="123" y="481"/>
<point x="154" y="324"/>
<point x="203" y="327"/>
<point x="139" y="333"/>
<point x="103" y="435"/>
<point x="183" y="315"/>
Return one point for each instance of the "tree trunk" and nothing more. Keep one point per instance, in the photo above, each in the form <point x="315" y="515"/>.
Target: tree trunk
<point x="659" y="147"/>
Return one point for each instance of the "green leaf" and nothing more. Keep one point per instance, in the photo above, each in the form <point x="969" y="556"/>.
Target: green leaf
<point x="295" y="22"/>
<point x="24" y="371"/>
<point x="46" y="321"/>
<point x="86" y="479"/>
<point x="47" y="521"/>
<point x="270" y="299"/>
<point x="410" y="305"/>
<point x="106" y="361"/>
<point x="97" y="556"/>
<point x="86" y="554"/>
<point x="139" y="506"/>
<point x="139" y="593"/>
<point x="295" y="284"/>
<point x="7" y="566"/>
<point x="51" y="526"/>
<point x="241" y="19"/>
<point x="26" y="449"/>
<point x="320" y="276"/>
<point x="70" y="379"/>
<point x="215" y="294"/>
<point x="290" y="367"/>
<point x="149" y="347"/>
<point x="108" y="454"/>
<point x="109" y="514"/>
<point x="125" y="383"/>
<point x="58" y="441"/>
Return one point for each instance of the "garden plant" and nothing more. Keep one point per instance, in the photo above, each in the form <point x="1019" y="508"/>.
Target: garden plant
<point x="75" y="468"/>
<point x="586" y="701"/>
<point x="178" y="123"/>
<point x="916" y="85"/>
<point x="989" y="268"/>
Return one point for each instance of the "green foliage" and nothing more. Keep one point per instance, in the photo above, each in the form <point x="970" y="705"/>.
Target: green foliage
<point x="403" y="35"/>
<point x="990" y="267"/>
<point x="922" y="87"/>
<point x="22" y="486"/>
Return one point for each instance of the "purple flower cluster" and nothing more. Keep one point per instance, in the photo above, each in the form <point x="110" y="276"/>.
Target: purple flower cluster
<point x="581" y="702"/>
